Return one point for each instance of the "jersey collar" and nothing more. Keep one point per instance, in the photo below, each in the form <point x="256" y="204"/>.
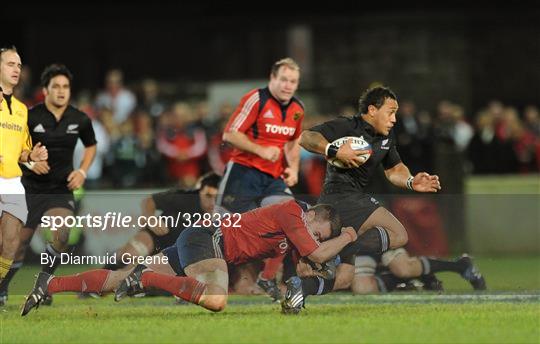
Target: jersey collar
<point x="267" y="90"/>
<point x="367" y="127"/>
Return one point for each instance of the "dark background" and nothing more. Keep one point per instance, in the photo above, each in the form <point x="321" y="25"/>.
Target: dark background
<point x="468" y="55"/>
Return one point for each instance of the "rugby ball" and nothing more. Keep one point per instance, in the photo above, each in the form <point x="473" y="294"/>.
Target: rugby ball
<point x="358" y="143"/>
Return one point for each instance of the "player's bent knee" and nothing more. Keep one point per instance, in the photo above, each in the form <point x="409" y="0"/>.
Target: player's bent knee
<point x="364" y="285"/>
<point x="399" y="239"/>
<point x="214" y="303"/>
<point x="401" y="270"/>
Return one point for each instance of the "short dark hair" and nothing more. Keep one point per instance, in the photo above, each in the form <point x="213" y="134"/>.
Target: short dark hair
<point x="209" y="179"/>
<point x="54" y="70"/>
<point x="326" y="212"/>
<point x="7" y="48"/>
<point x="374" y="96"/>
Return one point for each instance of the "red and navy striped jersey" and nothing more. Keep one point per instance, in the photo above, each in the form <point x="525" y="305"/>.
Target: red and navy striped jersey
<point x="267" y="123"/>
<point x="269" y="232"/>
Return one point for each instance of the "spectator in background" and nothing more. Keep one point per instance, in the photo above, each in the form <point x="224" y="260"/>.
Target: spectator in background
<point x="495" y="109"/>
<point x="463" y="131"/>
<point x="522" y="140"/>
<point x="414" y="137"/>
<point x="449" y="162"/>
<point x="116" y="97"/>
<point x="348" y="111"/>
<point x="219" y="152"/>
<point x="128" y="157"/>
<point x="154" y="170"/>
<point x="95" y="171"/>
<point x="531" y="116"/>
<point x="487" y="153"/>
<point x="150" y="100"/>
<point x="183" y="142"/>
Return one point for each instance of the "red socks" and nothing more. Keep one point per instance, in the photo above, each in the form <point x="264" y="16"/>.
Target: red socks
<point x="187" y="288"/>
<point x="90" y="282"/>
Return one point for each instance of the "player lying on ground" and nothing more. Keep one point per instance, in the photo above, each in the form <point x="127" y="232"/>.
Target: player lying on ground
<point x="197" y="264"/>
<point x="380" y="273"/>
<point x="152" y="239"/>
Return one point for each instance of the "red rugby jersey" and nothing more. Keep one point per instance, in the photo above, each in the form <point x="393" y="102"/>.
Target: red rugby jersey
<point x="267" y="123"/>
<point x="268" y="232"/>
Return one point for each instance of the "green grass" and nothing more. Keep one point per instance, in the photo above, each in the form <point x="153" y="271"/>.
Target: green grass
<point x="508" y="313"/>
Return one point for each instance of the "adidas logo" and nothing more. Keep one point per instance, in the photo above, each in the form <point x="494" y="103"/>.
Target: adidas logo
<point x="39" y="128"/>
<point x="268" y="114"/>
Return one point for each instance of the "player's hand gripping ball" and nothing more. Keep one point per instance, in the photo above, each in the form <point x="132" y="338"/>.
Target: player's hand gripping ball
<point x="357" y="143"/>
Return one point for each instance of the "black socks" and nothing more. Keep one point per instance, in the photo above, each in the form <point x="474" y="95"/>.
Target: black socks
<point x="373" y="241"/>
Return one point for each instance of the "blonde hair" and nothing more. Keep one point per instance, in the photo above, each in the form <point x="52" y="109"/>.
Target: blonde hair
<point x="287" y="62"/>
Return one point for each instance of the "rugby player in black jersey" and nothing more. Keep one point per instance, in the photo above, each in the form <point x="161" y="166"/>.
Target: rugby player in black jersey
<point x="378" y="230"/>
<point x="49" y="184"/>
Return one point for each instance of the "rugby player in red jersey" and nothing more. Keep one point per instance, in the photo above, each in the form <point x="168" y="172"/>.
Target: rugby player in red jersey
<point x="197" y="265"/>
<point x="264" y="131"/>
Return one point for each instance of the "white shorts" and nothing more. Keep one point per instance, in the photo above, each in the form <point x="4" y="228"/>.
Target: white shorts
<point x="12" y="198"/>
<point x="366" y="265"/>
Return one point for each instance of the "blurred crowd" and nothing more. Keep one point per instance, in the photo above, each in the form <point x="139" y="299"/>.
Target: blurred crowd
<point x="145" y="140"/>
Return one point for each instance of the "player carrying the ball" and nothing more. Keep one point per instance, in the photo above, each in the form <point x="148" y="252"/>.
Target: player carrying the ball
<point x="378" y="230"/>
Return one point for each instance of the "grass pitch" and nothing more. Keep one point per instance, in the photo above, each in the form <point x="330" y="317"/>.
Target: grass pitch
<point x="508" y="313"/>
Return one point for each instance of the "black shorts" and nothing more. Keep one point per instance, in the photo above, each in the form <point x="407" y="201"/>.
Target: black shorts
<point x="39" y="203"/>
<point x="353" y="209"/>
<point x="163" y="241"/>
<point x="194" y="245"/>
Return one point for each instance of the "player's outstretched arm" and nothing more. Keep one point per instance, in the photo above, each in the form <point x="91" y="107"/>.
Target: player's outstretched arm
<point x="332" y="247"/>
<point x="400" y="176"/>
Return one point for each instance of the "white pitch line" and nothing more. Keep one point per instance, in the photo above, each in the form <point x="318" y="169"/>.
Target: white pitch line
<point x="428" y="298"/>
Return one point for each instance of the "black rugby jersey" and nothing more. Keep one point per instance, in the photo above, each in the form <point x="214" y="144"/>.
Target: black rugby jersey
<point x="60" y="139"/>
<point x="174" y="201"/>
<point x="384" y="152"/>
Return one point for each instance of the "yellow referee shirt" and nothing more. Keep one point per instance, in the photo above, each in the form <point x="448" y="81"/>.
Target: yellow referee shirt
<point x="14" y="137"/>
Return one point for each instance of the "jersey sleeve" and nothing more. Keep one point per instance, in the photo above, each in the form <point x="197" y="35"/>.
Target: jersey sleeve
<point x="392" y="158"/>
<point x="299" y="126"/>
<point x="334" y="129"/>
<point x="295" y="229"/>
<point x="87" y="135"/>
<point x="298" y="116"/>
<point x="245" y="114"/>
<point x="27" y="140"/>
<point x="164" y="200"/>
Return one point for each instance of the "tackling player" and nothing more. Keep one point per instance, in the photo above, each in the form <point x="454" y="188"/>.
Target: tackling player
<point x="197" y="265"/>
